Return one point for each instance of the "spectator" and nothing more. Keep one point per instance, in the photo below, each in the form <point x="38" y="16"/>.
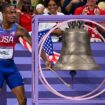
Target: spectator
<point x="40" y="9"/>
<point x="1" y="2"/>
<point x="52" y="6"/>
<point x="25" y="16"/>
<point x="69" y="6"/>
<point x="101" y="5"/>
<point x="89" y="9"/>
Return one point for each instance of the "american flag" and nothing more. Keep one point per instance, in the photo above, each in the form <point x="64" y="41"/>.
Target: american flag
<point x="48" y="47"/>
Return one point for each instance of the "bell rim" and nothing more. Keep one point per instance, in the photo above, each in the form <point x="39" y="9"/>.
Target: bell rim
<point x="76" y="67"/>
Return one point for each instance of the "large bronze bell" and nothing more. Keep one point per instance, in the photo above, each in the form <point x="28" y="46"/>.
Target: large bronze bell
<point x="76" y="50"/>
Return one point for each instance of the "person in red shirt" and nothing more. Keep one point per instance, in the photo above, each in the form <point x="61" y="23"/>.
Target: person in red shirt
<point x="26" y="21"/>
<point x="25" y="16"/>
<point x="89" y="9"/>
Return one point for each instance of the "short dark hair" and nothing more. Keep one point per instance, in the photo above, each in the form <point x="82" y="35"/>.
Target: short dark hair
<point x="4" y="6"/>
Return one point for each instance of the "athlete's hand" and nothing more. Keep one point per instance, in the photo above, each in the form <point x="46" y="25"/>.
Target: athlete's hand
<point x="48" y="64"/>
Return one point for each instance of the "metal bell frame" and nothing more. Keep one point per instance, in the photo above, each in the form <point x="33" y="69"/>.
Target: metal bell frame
<point x="54" y="91"/>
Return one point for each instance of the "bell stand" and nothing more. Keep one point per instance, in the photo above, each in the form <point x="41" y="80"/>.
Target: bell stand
<point x="35" y="73"/>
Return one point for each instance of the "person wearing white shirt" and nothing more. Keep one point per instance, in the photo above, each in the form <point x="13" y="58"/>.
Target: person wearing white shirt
<point x="52" y="7"/>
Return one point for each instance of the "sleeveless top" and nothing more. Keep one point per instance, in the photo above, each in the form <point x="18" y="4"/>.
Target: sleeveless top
<point x="8" y="39"/>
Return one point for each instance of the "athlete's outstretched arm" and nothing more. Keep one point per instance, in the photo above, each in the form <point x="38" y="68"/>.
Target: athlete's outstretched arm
<point x="21" y="32"/>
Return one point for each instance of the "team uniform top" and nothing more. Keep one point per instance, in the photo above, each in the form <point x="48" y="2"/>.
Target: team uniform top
<point x="8" y="39"/>
<point x="8" y="69"/>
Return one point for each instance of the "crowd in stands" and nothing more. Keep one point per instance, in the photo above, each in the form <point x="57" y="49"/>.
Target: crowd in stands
<point x="26" y="9"/>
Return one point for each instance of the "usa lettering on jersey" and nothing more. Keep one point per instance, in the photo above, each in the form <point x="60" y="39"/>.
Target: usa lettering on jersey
<point x="6" y="39"/>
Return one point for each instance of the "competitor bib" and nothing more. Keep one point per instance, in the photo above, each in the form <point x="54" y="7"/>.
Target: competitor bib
<point x="6" y="53"/>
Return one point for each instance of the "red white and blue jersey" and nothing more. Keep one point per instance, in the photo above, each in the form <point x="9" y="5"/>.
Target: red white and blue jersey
<point x="8" y="39"/>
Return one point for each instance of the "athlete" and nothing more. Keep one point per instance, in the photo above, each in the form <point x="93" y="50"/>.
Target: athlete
<point x="9" y="34"/>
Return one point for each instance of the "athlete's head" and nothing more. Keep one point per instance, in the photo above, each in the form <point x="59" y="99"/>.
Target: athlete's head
<point x="9" y="12"/>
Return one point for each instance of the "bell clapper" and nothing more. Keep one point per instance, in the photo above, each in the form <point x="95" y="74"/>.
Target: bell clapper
<point x="72" y="74"/>
<point x="63" y="81"/>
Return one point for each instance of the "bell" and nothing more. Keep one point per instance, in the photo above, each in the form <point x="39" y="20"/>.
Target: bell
<point x="76" y="50"/>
